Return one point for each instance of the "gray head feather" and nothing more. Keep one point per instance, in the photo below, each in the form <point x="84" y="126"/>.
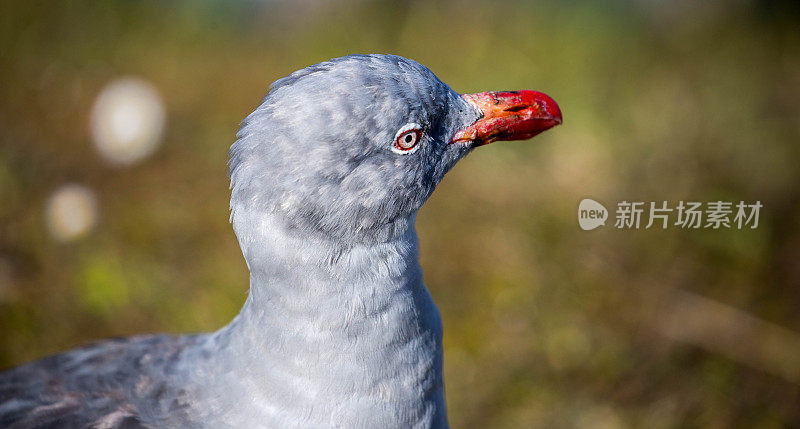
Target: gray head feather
<point x="316" y="153"/>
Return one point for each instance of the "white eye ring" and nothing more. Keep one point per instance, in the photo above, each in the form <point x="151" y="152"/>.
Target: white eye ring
<point x="407" y="139"/>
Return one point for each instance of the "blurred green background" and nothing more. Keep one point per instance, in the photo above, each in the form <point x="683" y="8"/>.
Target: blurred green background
<point x="546" y="325"/>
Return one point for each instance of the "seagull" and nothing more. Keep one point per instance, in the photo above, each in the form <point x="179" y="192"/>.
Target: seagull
<point x="338" y="329"/>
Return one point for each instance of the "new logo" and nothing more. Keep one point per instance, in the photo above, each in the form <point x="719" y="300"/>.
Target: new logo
<point x="591" y="214"/>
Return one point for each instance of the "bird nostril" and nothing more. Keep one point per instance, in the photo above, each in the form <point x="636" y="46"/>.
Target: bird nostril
<point x="516" y="108"/>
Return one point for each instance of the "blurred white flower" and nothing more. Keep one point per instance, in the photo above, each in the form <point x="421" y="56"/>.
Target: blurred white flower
<point x="127" y="121"/>
<point x="71" y="212"/>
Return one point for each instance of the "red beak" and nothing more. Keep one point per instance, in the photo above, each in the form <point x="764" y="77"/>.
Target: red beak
<point x="509" y="115"/>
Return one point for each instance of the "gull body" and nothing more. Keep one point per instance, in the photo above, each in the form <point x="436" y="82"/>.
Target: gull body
<point x="338" y="329"/>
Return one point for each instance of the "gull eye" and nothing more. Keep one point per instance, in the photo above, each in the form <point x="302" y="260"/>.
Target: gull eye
<point x="407" y="139"/>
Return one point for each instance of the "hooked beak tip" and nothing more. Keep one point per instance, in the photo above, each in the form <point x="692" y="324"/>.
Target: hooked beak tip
<point x="509" y="115"/>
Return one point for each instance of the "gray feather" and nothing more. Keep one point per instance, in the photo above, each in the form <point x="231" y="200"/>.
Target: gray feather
<point x="107" y="384"/>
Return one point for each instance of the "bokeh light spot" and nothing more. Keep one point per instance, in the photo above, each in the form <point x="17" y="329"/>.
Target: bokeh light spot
<point x="127" y="121"/>
<point x="71" y="212"/>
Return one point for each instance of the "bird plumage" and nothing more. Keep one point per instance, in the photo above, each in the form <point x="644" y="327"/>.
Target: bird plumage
<point x="115" y="383"/>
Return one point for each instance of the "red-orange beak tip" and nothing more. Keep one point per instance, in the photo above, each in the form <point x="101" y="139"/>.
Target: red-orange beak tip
<point x="509" y="115"/>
